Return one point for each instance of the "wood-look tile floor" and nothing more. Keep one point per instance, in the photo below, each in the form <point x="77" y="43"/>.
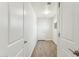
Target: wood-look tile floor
<point x="45" y="48"/>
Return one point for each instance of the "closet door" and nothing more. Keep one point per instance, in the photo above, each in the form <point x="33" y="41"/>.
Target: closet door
<point x="3" y="29"/>
<point x="69" y="29"/>
<point x="16" y="41"/>
<point x="66" y="40"/>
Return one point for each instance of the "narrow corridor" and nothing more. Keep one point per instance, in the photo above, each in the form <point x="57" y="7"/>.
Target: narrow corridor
<point x="45" y="48"/>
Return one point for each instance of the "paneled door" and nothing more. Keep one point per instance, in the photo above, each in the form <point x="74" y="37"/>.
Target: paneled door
<point x="16" y="41"/>
<point x="69" y="29"/>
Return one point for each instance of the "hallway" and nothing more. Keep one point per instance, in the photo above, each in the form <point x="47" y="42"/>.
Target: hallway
<point x="45" y="48"/>
<point x="39" y="29"/>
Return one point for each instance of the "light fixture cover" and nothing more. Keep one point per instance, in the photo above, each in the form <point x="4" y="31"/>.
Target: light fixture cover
<point x="46" y="12"/>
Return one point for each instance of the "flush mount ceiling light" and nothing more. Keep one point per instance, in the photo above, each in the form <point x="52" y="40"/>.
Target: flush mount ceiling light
<point x="47" y="11"/>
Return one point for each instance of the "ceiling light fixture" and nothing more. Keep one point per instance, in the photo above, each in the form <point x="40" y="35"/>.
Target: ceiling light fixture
<point x="46" y="11"/>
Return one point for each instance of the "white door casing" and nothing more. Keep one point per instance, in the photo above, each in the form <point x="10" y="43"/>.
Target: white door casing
<point x="30" y="29"/>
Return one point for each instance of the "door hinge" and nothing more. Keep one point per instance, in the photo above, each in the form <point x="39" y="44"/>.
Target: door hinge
<point x="59" y="34"/>
<point x="59" y="4"/>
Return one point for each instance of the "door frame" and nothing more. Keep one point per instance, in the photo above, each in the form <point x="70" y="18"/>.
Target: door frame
<point x="58" y="27"/>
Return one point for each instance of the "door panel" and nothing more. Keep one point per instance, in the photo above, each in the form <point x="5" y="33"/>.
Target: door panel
<point x="16" y="21"/>
<point x="66" y="46"/>
<point x="16" y="41"/>
<point x="20" y="53"/>
<point x="76" y="23"/>
<point x="66" y="20"/>
<point x="15" y="47"/>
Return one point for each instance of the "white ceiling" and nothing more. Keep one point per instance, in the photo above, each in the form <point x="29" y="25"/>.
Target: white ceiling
<point x="40" y="7"/>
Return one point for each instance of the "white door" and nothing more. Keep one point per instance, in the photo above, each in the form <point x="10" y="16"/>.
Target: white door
<point x="15" y="41"/>
<point x="3" y="29"/>
<point x="69" y="29"/>
<point x="44" y="29"/>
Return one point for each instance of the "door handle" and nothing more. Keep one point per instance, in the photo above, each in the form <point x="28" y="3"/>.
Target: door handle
<point x="76" y="52"/>
<point x="25" y="42"/>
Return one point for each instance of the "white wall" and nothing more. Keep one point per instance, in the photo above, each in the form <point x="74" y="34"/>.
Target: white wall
<point x="54" y="30"/>
<point x="30" y="29"/>
<point x="44" y="29"/>
<point x="54" y="20"/>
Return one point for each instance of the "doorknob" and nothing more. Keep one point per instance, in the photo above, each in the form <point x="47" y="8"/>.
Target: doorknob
<point x="76" y="52"/>
<point x="25" y="42"/>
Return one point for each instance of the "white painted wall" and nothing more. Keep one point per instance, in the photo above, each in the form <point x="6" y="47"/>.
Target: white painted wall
<point x="55" y="19"/>
<point x="54" y="30"/>
<point x="30" y="29"/>
<point x="44" y="29"/>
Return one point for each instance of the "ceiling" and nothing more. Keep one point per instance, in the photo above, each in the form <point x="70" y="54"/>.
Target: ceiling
<point x="41" y="7"/>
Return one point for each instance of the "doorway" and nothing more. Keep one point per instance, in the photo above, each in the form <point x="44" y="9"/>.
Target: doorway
<point x="46" y="29"/>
